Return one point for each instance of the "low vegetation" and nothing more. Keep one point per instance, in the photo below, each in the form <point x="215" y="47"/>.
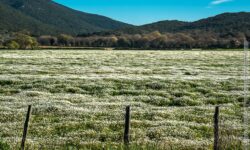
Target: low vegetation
<point x="79" y="98"/>
<point x="20" y="40"/>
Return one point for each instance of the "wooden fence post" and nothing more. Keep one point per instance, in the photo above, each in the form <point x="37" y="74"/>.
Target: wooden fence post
<point x="25" y="128"/>
<point x="127" y="124"/>
<point x="216" y="128"/>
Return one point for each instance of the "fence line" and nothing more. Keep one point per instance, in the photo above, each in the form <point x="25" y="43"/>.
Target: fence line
<point x="216" y="128"/>
<point x="25" y="129"/>
<point x="127" y="127"/>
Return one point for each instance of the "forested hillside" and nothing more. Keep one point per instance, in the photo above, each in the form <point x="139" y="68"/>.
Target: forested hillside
<point x="47" y="17"/>
<point x="223" y="23"/>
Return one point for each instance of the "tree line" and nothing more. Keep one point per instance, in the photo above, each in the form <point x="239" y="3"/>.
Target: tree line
<point x="152" y="40"/>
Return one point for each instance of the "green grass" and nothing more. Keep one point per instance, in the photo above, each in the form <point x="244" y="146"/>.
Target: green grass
<point x="79" y="98"/>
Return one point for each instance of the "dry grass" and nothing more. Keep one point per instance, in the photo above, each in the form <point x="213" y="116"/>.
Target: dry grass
<point x="79" y="97"/>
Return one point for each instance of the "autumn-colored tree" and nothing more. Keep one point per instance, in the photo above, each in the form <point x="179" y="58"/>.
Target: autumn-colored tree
<point x="65" y="40"/>
<point x="26" y="41"/>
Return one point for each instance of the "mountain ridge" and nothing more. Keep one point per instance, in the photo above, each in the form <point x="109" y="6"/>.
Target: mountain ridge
<point x="53" y="18"/>
<point x="224" y="22"/>
<point x="46" y="17"/>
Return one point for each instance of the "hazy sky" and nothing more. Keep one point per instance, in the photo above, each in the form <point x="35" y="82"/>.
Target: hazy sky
<point x="139" y="12"/>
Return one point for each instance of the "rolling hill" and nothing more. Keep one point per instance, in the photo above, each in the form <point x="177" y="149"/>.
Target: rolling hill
<point x="47" y="17"/>
<point x="222" y="23"/>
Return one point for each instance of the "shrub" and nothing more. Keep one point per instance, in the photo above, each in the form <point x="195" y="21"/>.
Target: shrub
<point x="26" y="41"/>
<point x="12" y="45"/>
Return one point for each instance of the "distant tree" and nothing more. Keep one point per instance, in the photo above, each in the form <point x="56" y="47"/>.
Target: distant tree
<point x="26" y="41"/>
<point x="184" y="41"/>
<point x="65" y="40"/>
<point x="79" y="41"/>
<point x="154" y="35"/>
<point x="144" y="42"/>
<point x="160" y="42"/>
<point x="234" y="43"/>
<point x="5" y="37"/>
<point x="135" y="40"/>
<point x="99" y="42"/>
<point x="12" y="45"/>
<point x="123" y="42"/>
<point x="88" y="41"/>
<point x="112" y="41"/>
<point x="47" y="40"/>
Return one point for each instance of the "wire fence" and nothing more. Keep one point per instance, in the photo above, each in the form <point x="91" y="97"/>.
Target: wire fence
<point x="225" y="135"/>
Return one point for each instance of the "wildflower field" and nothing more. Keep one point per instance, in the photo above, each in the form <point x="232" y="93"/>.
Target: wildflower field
<point x="78" y="98"/>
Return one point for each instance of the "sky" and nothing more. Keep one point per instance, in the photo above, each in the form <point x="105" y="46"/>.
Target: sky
<point x="139" y="12"/>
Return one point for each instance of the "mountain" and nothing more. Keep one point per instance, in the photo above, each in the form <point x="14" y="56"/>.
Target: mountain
<point x="223" y="31"/>
<point x="47" y="17"/>
<point x="13" y="20"/>
<point x="161" y="26"/>
<point x="41" y="17"/>
<point x="164" y="26"/>
<point x="223" y="23"/>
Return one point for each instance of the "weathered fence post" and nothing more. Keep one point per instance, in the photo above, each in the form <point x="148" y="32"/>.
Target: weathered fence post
<point x="127" y="124"/>
<point x="25" y="128"/>
<point x="216" y="128"/>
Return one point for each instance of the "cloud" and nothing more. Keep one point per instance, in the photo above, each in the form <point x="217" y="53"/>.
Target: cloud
<point x="217" y="2"/>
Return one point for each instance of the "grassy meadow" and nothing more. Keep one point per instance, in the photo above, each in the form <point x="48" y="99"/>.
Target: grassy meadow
<point x="79" y="98"/>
